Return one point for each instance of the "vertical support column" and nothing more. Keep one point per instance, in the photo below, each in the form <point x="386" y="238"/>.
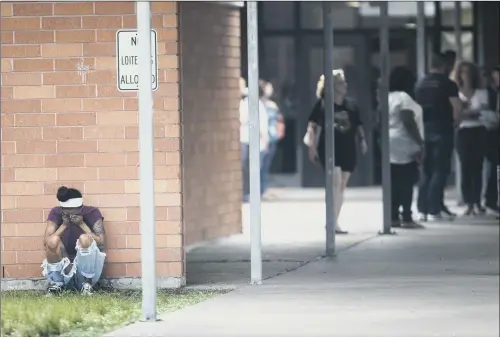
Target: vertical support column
<point x="457" y="25"/>
<point x="329" y="129"/>
<point x="253" y="110"/>
<point x="146" y="167"/>
<point x="478" y="20"/>
<point x="421" y="42"/>
<point x="384" y="112"/>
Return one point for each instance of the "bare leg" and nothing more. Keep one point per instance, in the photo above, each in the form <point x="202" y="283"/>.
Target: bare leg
<point x="85" y="241"/>
<point x="55" y="251"/>
<point x="343" y="178"/>
<point x="337" y="177"/>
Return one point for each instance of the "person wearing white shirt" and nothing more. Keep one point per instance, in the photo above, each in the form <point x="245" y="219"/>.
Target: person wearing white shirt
<point x="245" y="134"/>
<point x="471" y="137"/>
<point x="406" y="141"/>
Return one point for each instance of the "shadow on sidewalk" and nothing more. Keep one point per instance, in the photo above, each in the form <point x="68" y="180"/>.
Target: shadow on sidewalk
<point x="293" y="235"/>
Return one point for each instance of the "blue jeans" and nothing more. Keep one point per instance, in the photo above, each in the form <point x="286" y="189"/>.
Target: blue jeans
<point x="435" y="171"/>
<point x="245" y="158"/>
<point x="245" y="150"/>
<point x="266" y="166"/>
<point x="88" y="264"/>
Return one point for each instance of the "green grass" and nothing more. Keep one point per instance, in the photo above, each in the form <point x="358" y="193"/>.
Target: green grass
<point x="31" y="314"/>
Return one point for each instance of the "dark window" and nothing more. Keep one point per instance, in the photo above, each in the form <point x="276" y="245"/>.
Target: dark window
<point x="278" y="63"/>
<point x="277" y="14"/>
<point x="345" y="14"/>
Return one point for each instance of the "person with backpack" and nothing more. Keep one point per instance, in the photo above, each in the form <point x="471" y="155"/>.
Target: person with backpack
<point x="276" y="132"/>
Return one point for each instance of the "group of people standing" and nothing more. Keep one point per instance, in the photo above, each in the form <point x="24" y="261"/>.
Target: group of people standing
<point x="450" y="107"/>
<point x="272" y="129"/>
<point x="460" y="111"/>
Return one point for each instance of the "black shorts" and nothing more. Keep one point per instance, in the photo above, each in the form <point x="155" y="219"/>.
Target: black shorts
<point x="346" y="161"/>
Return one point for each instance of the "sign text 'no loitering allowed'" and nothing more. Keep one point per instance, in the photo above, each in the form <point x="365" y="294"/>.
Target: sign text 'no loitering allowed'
<point x="127" y="66"/>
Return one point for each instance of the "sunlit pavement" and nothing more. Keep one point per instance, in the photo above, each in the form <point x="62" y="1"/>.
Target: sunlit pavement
<point x="440" y="281"/>
<point x="293" y="233"/>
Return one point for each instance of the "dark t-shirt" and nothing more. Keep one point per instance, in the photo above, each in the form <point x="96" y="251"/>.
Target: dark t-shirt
<point x="71" y="234"/>
<point x="493" y="98"/>
<point x="433" y="93"/>
<point x="346" y="114"/>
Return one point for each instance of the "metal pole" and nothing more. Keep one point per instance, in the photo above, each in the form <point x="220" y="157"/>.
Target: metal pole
<point x="253" y="110"/>
<point x="457" y="23"/>
<point x="329" y="129"/>
<point x="421" y="45"/>
<point x="480" y="33"/>
<point x="146" y="169"/>
<point x="384" y="109"/>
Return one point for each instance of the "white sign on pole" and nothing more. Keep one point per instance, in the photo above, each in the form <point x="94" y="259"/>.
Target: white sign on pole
<point x="127" y="67"/>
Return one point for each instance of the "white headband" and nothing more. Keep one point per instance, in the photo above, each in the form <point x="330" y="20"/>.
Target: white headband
<point x="71" y="203"/>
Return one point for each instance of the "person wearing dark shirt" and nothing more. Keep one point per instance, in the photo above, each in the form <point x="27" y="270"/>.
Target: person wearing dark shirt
<point x="348" y="128"/>
<point x="493" y="142"/>
<point x="450" y="58"/>
<point x="72" y="239"/>
<point x="438" y="97"/>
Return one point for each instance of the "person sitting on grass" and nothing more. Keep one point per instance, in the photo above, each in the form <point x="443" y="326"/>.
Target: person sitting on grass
<point x="73" y="239"/>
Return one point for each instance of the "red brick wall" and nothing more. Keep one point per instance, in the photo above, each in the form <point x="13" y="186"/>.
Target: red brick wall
<point x="57" y="130"/>
<point x="210" y="59"/>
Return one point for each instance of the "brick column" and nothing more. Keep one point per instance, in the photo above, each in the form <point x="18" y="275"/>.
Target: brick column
<point x="210" y="40"/>
<point x="64" y="126"/>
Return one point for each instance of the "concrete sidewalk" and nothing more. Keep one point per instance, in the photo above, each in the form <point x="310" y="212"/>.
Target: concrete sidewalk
<point x="441" y="281"/>
<point x="293" y="234"/>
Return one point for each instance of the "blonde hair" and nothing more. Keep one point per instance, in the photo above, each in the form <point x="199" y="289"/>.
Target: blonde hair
<point x="320" y="87"/>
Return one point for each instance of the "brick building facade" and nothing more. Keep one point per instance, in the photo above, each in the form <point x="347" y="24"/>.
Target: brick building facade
<point x="63" y="121"/>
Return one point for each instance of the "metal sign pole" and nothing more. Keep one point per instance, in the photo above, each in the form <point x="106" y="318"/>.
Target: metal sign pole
<point x="146" y="169"/>
<point x="329" y="129"/>
<point x="253" y="110"/>
<point x="384" y="109"/>
<point x="421" y="39"/>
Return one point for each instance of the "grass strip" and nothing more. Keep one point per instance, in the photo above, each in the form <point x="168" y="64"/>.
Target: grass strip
<point x="32" y="314"/>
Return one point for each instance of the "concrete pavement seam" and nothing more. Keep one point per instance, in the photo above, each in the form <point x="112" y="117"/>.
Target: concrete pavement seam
<point x="318" y="258"/>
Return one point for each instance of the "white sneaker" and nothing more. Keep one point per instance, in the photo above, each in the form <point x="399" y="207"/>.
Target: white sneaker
<point x="86" y="289"/>
<point x="422" y="217"/>
<point x="436" y="217"/>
